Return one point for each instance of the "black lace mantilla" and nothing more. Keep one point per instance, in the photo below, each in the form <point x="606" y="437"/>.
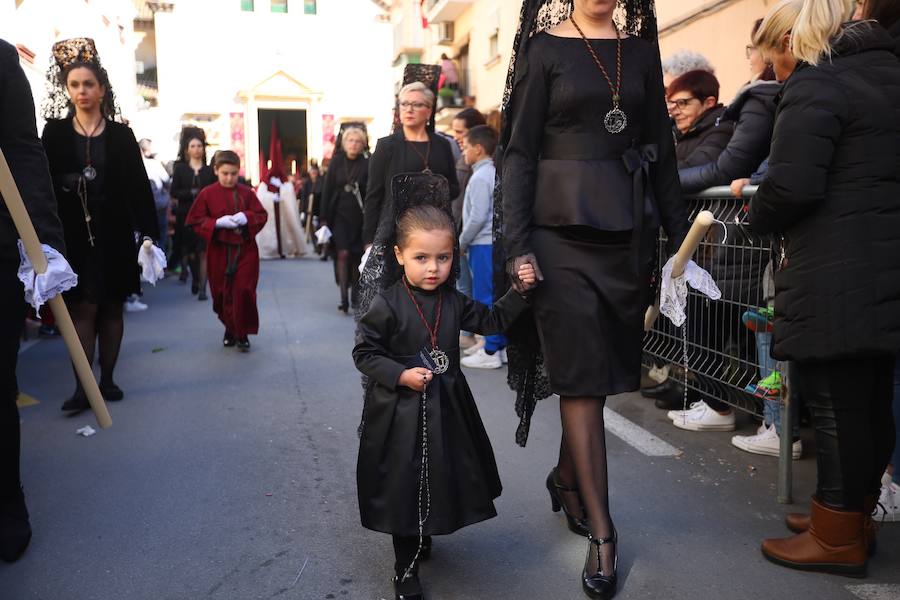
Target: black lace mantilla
<point x="527" y="375"/>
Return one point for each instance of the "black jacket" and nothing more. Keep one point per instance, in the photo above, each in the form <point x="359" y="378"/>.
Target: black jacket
<point x="26" y="158"/>
<point x="392" y="156"/>
<point x="183" y="188"/>
<point x="128" y="204"/>
<point x="833" y="193"/>
<point x="705" y="140"/>
<point x="753" y="115"/>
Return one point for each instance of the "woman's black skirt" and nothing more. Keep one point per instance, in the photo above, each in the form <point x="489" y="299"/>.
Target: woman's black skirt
<point x="590" y="308"/>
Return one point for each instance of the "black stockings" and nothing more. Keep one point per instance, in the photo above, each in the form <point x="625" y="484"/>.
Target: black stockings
<point x="103" y="323"/>
<point x="347" y="273"/>
<point x="583" y="453"/>
<point x="197" y="262"/>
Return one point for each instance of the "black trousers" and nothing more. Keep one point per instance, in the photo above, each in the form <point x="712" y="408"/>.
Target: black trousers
<point x="12" y="320"/>
<point x="850" y="404"/>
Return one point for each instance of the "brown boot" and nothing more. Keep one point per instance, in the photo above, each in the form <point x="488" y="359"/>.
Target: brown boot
<point x="799" y="522"/>
<point x="834" y="543"/>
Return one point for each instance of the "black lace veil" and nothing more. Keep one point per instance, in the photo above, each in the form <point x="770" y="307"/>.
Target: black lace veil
<point x="65" y="56"/>
<point x="526" y="375"/>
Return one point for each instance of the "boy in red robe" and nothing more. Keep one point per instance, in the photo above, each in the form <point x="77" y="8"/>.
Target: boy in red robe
<point x="228" y="216"/>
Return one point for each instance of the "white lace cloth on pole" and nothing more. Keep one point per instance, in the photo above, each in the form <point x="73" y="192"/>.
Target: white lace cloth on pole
<point x="152" y="261"/>
<point x="673" y="295"/>
<point x="58" y="278"/>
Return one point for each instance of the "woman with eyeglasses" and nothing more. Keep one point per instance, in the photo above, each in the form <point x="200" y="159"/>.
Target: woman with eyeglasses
<point x="412" y="148"/>
<point x="693" y="103"/>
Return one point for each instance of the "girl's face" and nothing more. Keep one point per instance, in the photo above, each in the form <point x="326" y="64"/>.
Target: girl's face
<point x="427" y="257"/>
<point x="84" y="89"/>
<point x="414" y="109"/>
<point x="195" y="149"/>
<point x="227" y="175"/>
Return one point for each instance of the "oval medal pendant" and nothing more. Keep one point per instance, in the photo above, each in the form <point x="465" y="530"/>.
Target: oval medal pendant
<point x="615" y="120"/>
<point x="441" y="361"/>
<point x="348" y="188"/>
<point x="89" y="172"/>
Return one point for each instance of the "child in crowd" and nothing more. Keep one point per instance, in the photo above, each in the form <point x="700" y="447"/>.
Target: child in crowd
<point x="426" y="466"/>
<point x="476" y="241"/>
<point x="228" y="216"/>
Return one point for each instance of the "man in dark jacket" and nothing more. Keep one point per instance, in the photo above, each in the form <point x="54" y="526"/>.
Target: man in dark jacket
<point x="752" y="115"/>
<point x="693" y="102"/>
<point x="832" y="197"/>
<point x="25" y="155"/>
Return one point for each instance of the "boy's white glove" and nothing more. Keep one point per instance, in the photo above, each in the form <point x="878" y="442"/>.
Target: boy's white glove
<point x="239" y="218"/>
<point x="226" y="222"/>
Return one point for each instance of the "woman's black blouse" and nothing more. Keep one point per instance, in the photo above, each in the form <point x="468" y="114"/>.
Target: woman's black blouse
<point x="562" y="95"/>
<point x="186" y="184"/>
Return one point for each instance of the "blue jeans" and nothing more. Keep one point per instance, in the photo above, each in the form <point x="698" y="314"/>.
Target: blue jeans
<point x="772" y="408"/>
<point x="481" y="263"/>
<point x="464" y="283"/>
<point x="895" y="460"/>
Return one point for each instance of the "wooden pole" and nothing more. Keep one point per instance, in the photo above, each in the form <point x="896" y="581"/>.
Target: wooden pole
<point x="25" y="228"/>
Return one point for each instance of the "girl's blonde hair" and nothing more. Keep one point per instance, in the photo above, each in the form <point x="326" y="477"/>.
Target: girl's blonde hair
<point x="417" y="86"/>
<point x="817" y="25"/>
<point x="777" y="24"/>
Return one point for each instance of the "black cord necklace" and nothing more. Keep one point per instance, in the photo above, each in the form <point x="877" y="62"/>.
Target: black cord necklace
<point x="615" y="120"/>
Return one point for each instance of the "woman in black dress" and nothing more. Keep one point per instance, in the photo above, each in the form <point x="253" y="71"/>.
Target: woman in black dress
<point x="588" y="175"/>
<point x="104" y="197"/>
<point x="190" y="174"/>
<point x="342" y="208"/>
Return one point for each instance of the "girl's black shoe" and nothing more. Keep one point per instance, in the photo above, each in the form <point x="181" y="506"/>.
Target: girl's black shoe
<point x="228" y="341"/>
<point x="77" y="403"/>
<point x="408" y="589"/>
<point x="111" y="392"/>
<point x="344" y="308"/>
<point x="599" y="584"/>
<point x="243" y="345"/>
<point x="576" y="525"/>
<point x="202" y="296"/>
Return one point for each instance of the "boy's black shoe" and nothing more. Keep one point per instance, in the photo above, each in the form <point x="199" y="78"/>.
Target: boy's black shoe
<point x="15" y="529"/>
<point x="408" y="589"/>
<point x="77" y="403"/>
<point x="228" y="341"/>
<point x="243" y="345"/>
<point x="111" y="392"/>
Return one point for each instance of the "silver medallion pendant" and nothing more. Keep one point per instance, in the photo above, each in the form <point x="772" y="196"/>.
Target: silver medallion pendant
<point x="441" y="361"/>
<point x="615" y="120"/>
<point x="351" y="188"/>
<point x="89" y="172"/>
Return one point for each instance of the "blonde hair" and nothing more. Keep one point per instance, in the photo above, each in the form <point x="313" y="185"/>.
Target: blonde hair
<point x="417" y="86"/>
<point x="778" y="23"/>
<point x="817" y="24"/>
<point x="351" y="131"/>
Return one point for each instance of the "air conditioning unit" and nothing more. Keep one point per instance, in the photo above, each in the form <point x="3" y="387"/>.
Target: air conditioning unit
<point x="445" y="33"/>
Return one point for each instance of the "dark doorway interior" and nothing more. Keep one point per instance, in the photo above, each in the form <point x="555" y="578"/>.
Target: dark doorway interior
<point x="291" y="127"/>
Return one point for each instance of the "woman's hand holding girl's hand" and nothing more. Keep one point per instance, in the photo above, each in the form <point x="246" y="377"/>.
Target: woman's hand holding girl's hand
<point x="527" y="276"/>
<point x="416" y="378"/>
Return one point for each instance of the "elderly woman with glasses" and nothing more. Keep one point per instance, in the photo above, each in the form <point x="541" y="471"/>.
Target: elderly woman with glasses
<point x="413" y="147"/>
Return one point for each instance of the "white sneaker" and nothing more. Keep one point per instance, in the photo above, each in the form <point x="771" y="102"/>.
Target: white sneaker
<point x="765" y="442"/>
<point x="135" y="306"/>
<point x="503" y="358"/>
<point x="483" y="360"/>
<point x="888" y="507"/>
<point x="703" y="418"/>
<point x="694" y="406"/>
<point x="478" y="345"/>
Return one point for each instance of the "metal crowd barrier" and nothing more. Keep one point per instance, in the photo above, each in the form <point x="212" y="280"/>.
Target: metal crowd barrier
<point x="725" y="358"/>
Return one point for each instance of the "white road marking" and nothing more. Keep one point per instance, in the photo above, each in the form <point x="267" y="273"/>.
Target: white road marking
<point x="26" y="345"/>
<point x="875" y="591"/>
<point x="636" y="436"/>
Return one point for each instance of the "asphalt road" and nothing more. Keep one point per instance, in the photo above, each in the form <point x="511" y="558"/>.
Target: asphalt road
<point x="232" y="476"/>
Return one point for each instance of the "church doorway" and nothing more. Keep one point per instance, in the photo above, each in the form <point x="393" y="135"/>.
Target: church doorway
<point x="290" y="127"/>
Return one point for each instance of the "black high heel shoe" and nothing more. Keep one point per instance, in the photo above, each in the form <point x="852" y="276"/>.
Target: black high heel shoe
<point x="576" y="525"/>
<point x="408" y="589"/>
<point x="600" y="585"/>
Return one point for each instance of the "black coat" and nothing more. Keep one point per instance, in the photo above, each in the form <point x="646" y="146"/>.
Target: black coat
<point x="464" y="479"/>
<point x="753" y="115"/>
<point x="705" y="140"/>
<point x="393" y="156"/>
<point x="26" y="158"/>
<point x="128" y="204"/>
<point x="183" y="188"/>
<point x="833" y="193"/>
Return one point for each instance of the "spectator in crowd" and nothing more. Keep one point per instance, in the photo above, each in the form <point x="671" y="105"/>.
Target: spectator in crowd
<point x="310" y="202"/>
<point x="683" y="61"/>
<point x="104" y="198"/>
<point x="449" y="72"/>
<point x="28" y="163"/>
<point x="753" y="113"/>
<point x="830" y="197"/>
<point x="465" y="120"/>
<point x="159" y="183"/>
<point x="693" y="103"/>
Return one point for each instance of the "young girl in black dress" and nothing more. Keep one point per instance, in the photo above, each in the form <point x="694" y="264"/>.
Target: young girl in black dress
<point x="426" y="466"/>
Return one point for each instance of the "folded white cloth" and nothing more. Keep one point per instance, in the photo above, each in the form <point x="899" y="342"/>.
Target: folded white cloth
<point x="323" y="235"/>
<point x="226" y="222"/>
<point x="365" y="258"/>
<point x="673" y="293"/>
<point x="58" y="278"/>
<point x="152" y="261"/>
<point x="239" y="218"/>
